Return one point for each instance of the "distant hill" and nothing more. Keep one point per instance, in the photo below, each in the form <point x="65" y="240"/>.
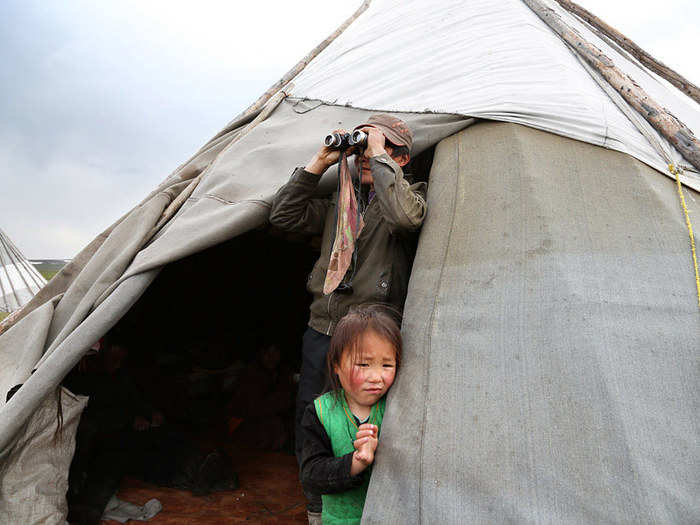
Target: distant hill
<point x="49" y="267"/>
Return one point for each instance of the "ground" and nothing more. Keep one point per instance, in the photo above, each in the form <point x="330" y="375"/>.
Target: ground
<point x="269" y="493"/>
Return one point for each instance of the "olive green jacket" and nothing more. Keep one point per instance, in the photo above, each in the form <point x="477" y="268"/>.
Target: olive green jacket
<point x="385" y="247"/>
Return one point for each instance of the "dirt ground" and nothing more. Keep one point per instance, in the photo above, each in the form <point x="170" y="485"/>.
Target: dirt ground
<point x="269" y="492"/>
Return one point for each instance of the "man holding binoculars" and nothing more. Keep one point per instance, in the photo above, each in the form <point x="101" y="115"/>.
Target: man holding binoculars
<point x="390" y="210"/>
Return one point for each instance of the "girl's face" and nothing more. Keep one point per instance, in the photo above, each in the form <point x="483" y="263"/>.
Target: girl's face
<point x="367" y="379"/>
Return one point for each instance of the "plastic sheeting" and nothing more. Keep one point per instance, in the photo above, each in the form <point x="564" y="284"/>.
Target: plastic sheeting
<point x="551" y="341"/>
<point x="486" y="59"/>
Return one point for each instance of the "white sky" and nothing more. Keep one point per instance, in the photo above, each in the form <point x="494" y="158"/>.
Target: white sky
<point x="100" y="101"/>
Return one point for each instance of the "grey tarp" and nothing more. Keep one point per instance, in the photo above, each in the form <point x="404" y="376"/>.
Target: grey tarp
<point x="241" y="174"/>
<point x="551" y="372"/>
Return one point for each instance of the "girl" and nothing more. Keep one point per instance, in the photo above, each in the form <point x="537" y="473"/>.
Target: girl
<point x="342" y="426"/>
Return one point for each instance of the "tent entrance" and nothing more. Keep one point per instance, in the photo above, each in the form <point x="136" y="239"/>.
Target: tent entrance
<point x="214" y="345"/>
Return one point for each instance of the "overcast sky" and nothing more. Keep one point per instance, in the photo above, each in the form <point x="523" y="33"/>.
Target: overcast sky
<point x="100" y="101"/>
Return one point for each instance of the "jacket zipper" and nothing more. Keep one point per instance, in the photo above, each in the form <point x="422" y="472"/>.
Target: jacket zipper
<point x="330" y="320"/>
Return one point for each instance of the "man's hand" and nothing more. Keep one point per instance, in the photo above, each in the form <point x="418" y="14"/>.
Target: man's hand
<point x="325" y="158"/>
<point x="365" y="444"/>
<point x="376" y="142"/>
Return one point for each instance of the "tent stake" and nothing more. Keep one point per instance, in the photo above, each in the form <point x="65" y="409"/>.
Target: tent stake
<point x="661" y="119"/>
<point x="633" y="49"/>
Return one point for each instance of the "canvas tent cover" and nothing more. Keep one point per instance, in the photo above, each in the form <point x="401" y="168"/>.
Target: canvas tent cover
<point x="551" y="324"/>
<point x="492" y="60"/>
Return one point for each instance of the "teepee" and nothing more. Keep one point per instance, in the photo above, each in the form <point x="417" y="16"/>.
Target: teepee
<point x="19" y="280"/>
<point x="552" y="323"/>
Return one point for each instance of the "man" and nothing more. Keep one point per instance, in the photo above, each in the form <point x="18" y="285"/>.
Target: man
<point x="392" y="211"/>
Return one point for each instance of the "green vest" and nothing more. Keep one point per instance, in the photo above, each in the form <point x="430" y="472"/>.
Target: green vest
<point x="335" y="416"/>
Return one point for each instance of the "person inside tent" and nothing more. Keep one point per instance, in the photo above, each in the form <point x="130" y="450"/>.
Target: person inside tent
<point x="112" y="429"/>
<point x="369" y="263"/>
<point x="121" y="433"/>
<point x="262" y="401"/>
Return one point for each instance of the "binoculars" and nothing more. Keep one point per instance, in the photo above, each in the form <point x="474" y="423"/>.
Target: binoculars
<point x="346" y="140"/>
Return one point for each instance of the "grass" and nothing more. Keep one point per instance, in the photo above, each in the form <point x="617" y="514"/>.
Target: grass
<point x="49" y="267"/>
<point x="48" y="274"/>
<point x="3" y="315"/>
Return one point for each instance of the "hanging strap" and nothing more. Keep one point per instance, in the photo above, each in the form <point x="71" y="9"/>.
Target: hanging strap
<point x="348" y="226"/>
<point x="676" y="171"/>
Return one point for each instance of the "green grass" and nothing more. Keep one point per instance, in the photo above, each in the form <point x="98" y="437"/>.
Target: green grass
<point x="48" y="274"/>
<point x="49" y="267"/>
<point x="3" y="315"/>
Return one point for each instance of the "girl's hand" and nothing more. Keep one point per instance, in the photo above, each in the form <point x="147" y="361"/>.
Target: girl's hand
<point x="365" y="430"/>
<point x="365" y="444"/>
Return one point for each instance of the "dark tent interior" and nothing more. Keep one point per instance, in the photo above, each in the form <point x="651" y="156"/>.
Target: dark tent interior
<point x="209" y="357"/>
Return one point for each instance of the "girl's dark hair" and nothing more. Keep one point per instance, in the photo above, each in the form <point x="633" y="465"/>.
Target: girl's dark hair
<point x="380" y="319"/>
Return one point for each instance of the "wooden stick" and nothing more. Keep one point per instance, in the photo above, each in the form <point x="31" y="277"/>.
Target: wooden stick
<point x="661" y="119"/>
<point x="633" y="49"/>
<point x="303" y="63"/>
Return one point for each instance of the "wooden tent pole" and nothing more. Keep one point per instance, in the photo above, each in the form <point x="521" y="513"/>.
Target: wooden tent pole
<point x="661" y="119"/>
<point x="637" y="52"/>
<point x="302" y="63"/>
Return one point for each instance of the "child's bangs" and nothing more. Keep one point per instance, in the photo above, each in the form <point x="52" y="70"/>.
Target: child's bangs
<point x="386" y="328"/>
<point x="347" y="337"/>
<point x="352" y="328"/>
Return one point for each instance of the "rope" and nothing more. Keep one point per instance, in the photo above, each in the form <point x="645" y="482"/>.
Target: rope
<point x="677" y="172"/>
<point x="646" y="130"/>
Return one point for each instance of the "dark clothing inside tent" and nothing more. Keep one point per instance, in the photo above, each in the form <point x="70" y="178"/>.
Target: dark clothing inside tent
<point x="261" y="404"/>
<point x="114" y="440"/>
<point x="227" y="394"/>
<point x="313" y="367"/>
